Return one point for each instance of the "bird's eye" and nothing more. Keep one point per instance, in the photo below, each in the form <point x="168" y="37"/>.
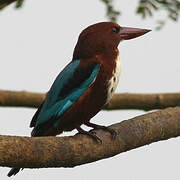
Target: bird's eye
<point x="116" y="29"/>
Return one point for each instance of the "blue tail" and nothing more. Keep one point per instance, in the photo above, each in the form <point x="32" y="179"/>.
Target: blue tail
<point x="13" y="171"/>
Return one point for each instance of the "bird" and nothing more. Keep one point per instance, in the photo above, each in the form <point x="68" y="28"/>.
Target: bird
<point x="85" y="85"/>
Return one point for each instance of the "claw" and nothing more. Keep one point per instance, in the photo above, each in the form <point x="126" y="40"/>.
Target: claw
<point x="112" y="132"/>
<point x="91" y="134"/>
<point x="95" y="126"/>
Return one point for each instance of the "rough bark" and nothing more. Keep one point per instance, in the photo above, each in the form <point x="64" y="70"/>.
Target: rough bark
<point x="75" y="150"/>
<point x="119" y="101"/>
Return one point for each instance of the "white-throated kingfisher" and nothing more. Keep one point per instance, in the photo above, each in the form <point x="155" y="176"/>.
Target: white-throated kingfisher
<point x="85" y="85"/>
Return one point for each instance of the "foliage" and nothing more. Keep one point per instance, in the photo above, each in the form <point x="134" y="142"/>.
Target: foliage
<point x="171" y="7"/>
<point x="111" y="13"/>
<point x="146" y="8"/>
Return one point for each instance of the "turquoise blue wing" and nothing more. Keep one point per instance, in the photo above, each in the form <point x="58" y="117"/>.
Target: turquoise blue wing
<point x="69" y="85"/>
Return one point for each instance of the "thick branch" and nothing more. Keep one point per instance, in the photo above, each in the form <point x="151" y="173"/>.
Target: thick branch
<point x="80" y="149"/>
<point x="119" y="101"/>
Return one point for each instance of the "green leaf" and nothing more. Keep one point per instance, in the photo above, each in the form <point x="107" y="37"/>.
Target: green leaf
<point x="148" y="10"/>
<point x="153" y="5"/>
<point x="172" y="17"/>
<point x="19" y="3"/>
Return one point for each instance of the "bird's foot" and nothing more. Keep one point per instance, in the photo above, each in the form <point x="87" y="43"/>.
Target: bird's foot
<point x="91" y="134"/>
<point x="95" y="126"/>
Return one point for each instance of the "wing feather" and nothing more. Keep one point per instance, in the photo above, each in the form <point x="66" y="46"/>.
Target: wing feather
<point x="69" y="85"/>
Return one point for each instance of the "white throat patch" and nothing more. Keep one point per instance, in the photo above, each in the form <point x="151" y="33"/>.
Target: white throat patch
<point x="113" y="82"/>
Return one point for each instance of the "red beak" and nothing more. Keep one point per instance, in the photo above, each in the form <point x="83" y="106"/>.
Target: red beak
<point x="130" y="33"/>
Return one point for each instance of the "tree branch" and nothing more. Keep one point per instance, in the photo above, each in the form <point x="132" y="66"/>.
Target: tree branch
<point x="80" y="149"/>
<point x="21" y="98"/>
<point x="143" y="101"/>
<point x="5" y="3"/>
<point x="119" y="101"/>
